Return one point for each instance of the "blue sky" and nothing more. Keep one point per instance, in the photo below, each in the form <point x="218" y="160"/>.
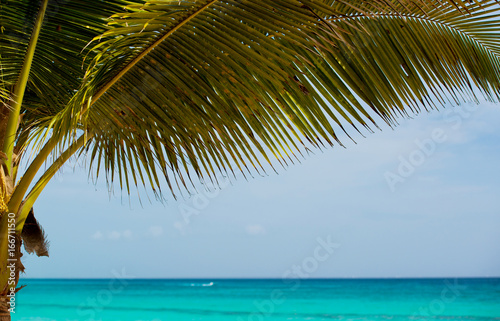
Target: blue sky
<point x="417" y="201"/>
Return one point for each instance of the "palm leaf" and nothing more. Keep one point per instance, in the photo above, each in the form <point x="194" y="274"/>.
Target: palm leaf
<point x="209" y="86"/>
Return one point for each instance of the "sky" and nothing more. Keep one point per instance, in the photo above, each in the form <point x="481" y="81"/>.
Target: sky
<point x="417" y="201"/>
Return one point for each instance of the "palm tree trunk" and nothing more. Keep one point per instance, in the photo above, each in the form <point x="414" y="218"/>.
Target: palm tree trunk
<point x="4" y="308"/>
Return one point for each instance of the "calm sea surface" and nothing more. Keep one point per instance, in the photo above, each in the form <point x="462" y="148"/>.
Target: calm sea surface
<point x="258" y="300"/>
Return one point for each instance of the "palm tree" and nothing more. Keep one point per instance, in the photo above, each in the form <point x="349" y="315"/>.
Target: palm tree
<point x="153" y="93"/>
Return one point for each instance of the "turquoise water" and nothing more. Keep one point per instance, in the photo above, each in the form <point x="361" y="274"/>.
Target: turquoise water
<point x="258" y="300"/>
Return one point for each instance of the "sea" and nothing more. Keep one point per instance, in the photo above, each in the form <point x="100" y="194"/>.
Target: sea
<point x="258" y="300"/>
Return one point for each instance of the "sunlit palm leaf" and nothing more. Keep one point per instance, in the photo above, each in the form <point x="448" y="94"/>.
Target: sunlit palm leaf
<point x="213" y="85"/>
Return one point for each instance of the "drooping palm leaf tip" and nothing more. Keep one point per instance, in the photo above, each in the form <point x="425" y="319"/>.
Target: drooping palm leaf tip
<point x="34" y="237"/>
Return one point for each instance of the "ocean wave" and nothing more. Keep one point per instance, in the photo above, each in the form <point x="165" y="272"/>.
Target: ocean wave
<point x="198" y="284"/>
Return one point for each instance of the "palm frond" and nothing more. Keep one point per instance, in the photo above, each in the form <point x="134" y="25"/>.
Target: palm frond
<point x="217" y="85"/>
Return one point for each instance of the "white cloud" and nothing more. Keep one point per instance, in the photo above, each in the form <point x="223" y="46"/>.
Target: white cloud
<point x="181" y="226"/>
<point x="255" y="229"/>
<point x="156" y="231"/>
<point x="114" y="235"/>
<point x="97" y="235"/>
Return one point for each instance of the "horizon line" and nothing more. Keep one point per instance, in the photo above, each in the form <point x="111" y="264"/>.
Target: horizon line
<point x="265" y="278"/>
